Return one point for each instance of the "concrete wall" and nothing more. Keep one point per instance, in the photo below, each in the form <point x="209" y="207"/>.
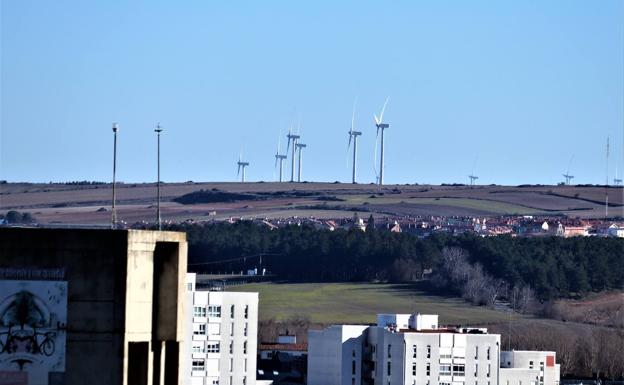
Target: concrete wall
<point x="110" y="279"/>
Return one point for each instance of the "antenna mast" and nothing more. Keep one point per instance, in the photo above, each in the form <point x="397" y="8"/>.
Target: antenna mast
<point x="607" y="182"/>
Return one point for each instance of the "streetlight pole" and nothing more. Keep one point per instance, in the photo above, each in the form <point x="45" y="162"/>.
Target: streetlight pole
<point x="158" y="130"/>
<point x="113" y="210"/>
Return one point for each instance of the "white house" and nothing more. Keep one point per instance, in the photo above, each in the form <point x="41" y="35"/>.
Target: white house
<point x="222" y="341"/>
<point x="616" y="231"/>
<point x="414" y="349"/>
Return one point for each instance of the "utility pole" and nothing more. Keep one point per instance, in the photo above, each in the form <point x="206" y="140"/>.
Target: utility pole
<point x="113" y="209"/>
<point x="158" y="130"/>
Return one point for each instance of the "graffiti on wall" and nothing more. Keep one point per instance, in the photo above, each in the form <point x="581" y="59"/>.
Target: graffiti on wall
<point x="33" y="321"/>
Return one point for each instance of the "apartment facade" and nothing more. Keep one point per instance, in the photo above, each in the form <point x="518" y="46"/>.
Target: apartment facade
<point x="413" y="349"/>
<point x="223" y="336"/>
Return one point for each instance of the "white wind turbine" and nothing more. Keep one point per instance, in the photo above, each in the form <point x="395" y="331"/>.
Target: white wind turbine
<point x="567" y="175"/>
<point x="279" y="157"/>
<point x="380" y="125"/>
<point x="292" y="138"/>
<point x="353" y="136"/>
<point x="241" y="166"/>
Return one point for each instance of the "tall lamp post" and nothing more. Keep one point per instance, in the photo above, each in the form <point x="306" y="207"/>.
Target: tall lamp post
<point x="158" y="130"/>
<point x="113" y="210"/>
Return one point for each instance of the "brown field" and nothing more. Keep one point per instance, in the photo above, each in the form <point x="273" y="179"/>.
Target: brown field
<point x="59" y="203"/>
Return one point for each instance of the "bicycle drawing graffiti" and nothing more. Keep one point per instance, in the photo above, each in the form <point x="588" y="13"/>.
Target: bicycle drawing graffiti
<point x="33" y="317"/>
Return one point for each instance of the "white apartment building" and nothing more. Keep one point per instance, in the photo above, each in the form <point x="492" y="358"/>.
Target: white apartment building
<point x="222" y="341"/>
<point x="411" y="349"/>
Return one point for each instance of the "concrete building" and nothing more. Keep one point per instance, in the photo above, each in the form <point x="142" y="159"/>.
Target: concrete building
<point x="223" y="333"/>
<point x="104" y="306"/>
<point x="413" y="349"/>
<point x="529" y="367"/>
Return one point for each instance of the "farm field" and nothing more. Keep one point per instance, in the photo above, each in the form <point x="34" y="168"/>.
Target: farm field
<point x="88" y="204"/>
<point x="327" y="303"/>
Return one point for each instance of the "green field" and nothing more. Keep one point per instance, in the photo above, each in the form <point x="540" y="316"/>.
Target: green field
<point x="359" y="303"/>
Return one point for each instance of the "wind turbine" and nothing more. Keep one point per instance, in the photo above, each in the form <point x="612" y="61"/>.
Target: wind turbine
<point x="241" y="165"/>
<point x="472" y="175"/>
<point x="292" y="138"/>
<point x="300" y="147"/>
<point x="567" y="175"/>
<point x="381" y="125"/>
<point x="353" y="136"/>
<point x="279" y="158"/>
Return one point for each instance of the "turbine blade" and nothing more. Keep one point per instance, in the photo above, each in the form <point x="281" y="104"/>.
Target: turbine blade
<point x="377" y="122"/>
<point x="275" y="162"/>
<point x="353" y="115"/>
<point x="350" y="137"/>
<point x="383" y="110"/>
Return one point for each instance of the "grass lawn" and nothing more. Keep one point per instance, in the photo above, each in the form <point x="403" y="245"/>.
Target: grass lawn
<point x="360" y="302"/>
<point x="480" y="204"/>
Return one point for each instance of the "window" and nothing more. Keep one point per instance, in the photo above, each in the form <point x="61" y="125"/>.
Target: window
<point x="476" y="369"/>
<point x="488" y="371"/>
<point x="198" y="347"/>
<point x="428" y="351"/>
<point x="445" y="383"/>
<point x="199" y="311"/>
<point x="389" y="367"/>
<point x="230" y="382"/>
<point x="244" y="380"/>
<point x="199" y="329"/>
<point x="428" y="370"/>
<point x="413" y="369"/>
<point x="212" y="347"/>
<point x="231" y="365"/>
<point x="353" y="353"/>
<point x="231" y="347"/>
<point x="215" y="382"/>
<point x="414" y="351"/>
<point x="353" y="368"/>
<point x="245" y="330"/>
<point x="189" y="286"/>
<point x="232" y="311"/>
<point x="530" y="364"/>
<point x="198" y="365"/>
<point x="445" y="370"/>
<point x="246" y="311"/>
<point x="214" y="311"/>
<point x="476" y="352"/>
<point x="232" y="329"/>
<point x="353" y="381"/>
<point x="488" y="353"/>
<point x="245" y="347"/>
<point x="459" y="370"/>
<point x="245" y="364"/>
<point x="443" y="356"/>
<point x="389" y="351"/>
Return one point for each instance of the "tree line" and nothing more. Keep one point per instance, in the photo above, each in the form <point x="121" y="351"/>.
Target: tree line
<point x="548" y="267"/>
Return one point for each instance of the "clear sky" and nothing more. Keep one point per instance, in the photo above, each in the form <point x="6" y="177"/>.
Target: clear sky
<point x="518" y="86"/>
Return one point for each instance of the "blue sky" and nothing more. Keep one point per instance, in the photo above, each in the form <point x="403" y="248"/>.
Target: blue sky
<point x="518" y="85"/>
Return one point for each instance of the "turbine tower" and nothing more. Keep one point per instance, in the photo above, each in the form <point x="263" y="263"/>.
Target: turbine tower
<point x="300" y="147"/>
<point x="567" y="175"/>
<point x="472" y="175"/>
<point x="353" y="136"/>
<point x="241" y="165"/>
<point x="292" y="138"/>
<point x="381" y="125"/>
<point x="279" y="158"/>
